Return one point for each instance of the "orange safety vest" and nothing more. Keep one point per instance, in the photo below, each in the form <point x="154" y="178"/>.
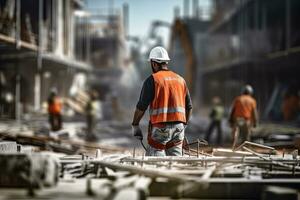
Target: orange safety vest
<point x="55" y="107"/>
<point x="168" y="104"/>
<point x="244" y="106"/>
<point x="169" y="98"/>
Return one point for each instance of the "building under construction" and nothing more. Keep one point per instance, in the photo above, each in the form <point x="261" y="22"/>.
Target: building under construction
<point x="55" y="44"/>
<point x="37" y="52"/>
<point x="82" y="51"/>
<point x="251" y="42"/>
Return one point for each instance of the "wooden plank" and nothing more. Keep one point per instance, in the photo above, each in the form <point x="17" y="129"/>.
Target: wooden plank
<point x="229" y="152"/>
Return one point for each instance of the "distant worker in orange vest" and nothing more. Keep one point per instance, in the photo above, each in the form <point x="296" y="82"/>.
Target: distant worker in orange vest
<point x="170" y="107"/>
<point x="243" y="115"/>
<point x="291" y="105"/>
<point x="54" y="110"/>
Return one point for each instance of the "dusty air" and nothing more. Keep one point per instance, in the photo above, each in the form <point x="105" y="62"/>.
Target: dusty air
<point x="144" y="99"/>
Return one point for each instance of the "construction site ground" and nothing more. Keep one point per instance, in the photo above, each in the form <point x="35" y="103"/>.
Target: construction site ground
<point x="115" y="167"/>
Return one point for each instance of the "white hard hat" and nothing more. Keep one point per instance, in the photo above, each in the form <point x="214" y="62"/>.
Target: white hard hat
<point x="248" y="89"/>
<point x="159" y="54"/>
<point x="53" y="90"/>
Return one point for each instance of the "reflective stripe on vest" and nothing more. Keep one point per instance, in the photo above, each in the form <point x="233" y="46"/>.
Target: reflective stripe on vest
<point x="167" y="110"/>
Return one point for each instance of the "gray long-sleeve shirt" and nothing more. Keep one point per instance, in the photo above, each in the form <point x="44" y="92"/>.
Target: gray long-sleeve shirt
<point x="147" y="95"/>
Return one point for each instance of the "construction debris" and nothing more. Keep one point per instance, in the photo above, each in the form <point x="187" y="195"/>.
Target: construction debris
<point x="58" y="145"/>
<point x="195" y="177"/>
<point x="8" y="147"/>
<point x="28" y="170"/>
<point x="229" y="152"/>
<point x="77" y="47"/>
<point x="138" y="177"/>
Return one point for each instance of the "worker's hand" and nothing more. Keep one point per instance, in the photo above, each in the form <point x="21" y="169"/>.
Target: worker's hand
<point x="137" y="132"/>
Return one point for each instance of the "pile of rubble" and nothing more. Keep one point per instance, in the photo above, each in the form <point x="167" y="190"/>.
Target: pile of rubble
<point x="252" y="171"/>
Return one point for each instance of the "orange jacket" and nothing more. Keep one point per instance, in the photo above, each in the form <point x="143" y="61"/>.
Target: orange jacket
<point x="244" y="106"/>
<point x="290" y="107"/>
<point x="55" y="107"/>
<point x="169" y="99"/>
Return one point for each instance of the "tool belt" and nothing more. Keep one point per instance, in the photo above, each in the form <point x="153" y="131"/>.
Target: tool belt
<point x="157" y="145"/>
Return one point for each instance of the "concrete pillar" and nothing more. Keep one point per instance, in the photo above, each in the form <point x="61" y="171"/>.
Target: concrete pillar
<point x="287" y="24"/>
<point x="126" y="19"/>
<point x="71" y="33"/>
<point x="37" y="91"/>
<point x="59" y="28"/>
<point x="195" y="8"/>
<point x="186" y="8"/>
<point x="18" y="98"/>
<point x="18" y="24"/>
<point x="68" y="31"/>
<point x="176" y="12"/>
<point x="37" y="77"/>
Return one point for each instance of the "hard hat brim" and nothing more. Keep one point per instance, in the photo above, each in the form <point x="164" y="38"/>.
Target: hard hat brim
<point x="157" y="60"/>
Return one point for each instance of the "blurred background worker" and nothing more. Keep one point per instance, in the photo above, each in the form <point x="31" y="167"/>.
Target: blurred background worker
<point x="243" y="115"/>
<point x="91" y="115"/>
<point x="170" y="107"/>
<point x="216" y="115"/>
<point x="54" y="110"/>
<point x="291" y="104"/>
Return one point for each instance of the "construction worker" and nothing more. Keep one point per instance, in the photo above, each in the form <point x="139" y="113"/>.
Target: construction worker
<point x="170" y="107"/>
<point x="91" y="115"/>
<point x="54" y="110"/>
<point x="291" y="105"/>
<point x="243" y="115"/>
<point x="216" y="115"/>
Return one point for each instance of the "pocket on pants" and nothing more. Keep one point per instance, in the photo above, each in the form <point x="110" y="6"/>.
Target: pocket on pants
<point x="179" y="133"/>
<point x="161" y="135"/>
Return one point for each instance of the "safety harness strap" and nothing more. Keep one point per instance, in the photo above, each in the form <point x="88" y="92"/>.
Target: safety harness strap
<point x="173" y="144"/>
<point x="157" y="145"/>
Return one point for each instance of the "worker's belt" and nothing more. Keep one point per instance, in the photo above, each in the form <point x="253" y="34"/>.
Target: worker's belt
<point x="157" y="145"/>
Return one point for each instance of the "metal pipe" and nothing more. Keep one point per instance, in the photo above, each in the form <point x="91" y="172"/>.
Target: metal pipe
<point x="37" y="88"/>
<point x="18" y="24"/>
<point x="287" y="24"/>
<point x="254" y="144"/>
<point x="272" y="161"/>
<point x="205" y="158"/>
<point x="255" y="160"/>
<point x="149" y="172"/>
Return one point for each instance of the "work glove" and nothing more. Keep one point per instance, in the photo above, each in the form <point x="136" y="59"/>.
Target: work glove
<point x="137" y="132"/>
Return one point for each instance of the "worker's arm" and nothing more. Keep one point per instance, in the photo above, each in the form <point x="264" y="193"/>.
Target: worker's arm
<point x="254" y="117"/>
<point x="138" y="114"/>
<point x="231" y="117"/>
<point x="146" y="97"/>
<point x="188" y="106"/>
<point x="188" y="115"/>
